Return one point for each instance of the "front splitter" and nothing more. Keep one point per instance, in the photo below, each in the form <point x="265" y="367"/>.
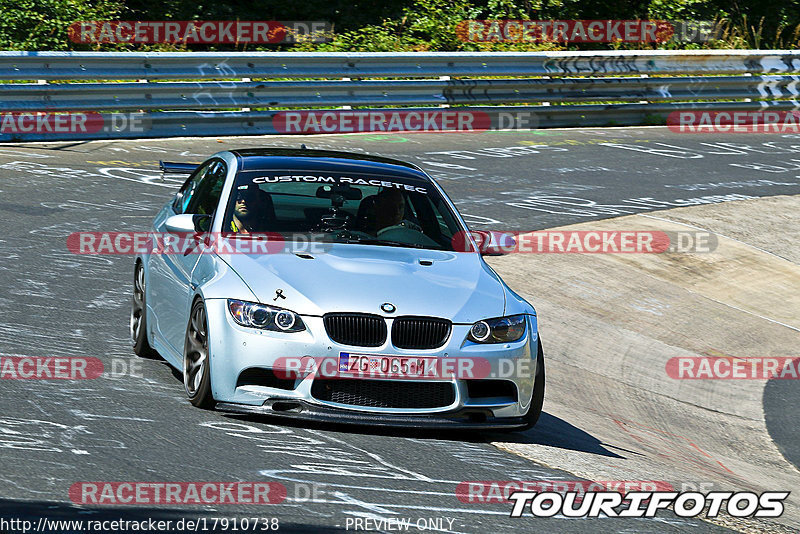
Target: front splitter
<point x="467" y="418"/>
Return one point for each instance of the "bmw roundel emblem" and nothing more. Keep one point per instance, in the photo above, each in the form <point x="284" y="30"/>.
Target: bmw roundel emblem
<point x="388" y="307"/>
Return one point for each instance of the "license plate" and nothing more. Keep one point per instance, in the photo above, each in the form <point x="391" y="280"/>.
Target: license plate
<point x="385" y="366"/>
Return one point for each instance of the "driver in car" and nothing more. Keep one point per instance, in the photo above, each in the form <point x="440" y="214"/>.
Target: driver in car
<point x="245" y="210"/>
<point x="390" y="208"/>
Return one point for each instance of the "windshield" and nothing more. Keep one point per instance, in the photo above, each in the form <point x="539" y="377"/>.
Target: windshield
<point x="352" y="208"/>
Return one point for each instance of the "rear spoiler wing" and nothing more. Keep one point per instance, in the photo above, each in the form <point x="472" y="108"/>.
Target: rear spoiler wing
<point x="169" y="167"/>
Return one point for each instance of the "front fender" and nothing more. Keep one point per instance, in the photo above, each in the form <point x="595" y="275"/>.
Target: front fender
<point x="212" y="278"/>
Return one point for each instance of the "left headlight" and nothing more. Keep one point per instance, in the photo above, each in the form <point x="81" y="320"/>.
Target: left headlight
<point x="498" y="330"/>
<point x="265" y="317"/>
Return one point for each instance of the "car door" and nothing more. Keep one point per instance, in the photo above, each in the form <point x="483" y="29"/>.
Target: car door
<point x="170" y="274"/>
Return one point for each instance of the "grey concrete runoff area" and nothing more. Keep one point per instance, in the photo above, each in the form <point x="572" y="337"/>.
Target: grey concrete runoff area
<point x="610" y="323"/>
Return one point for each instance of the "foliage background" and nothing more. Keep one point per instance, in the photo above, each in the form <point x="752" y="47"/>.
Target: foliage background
<point x="396" y="25"/>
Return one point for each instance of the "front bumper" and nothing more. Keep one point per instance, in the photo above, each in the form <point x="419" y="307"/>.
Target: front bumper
<point x="463" y="419"/>
<point x="234" y="349"/>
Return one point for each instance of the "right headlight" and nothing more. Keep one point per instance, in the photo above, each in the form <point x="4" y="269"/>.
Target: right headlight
<point x="265" y="317"/>
<point x="498" y="330"/>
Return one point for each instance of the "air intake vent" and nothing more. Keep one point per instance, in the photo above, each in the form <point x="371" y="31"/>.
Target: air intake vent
<point x="356" y="329"/>
<point x="481" y="389"/>
<point x="384" y="393"/>
<point x="420" y="332"/>
<point x="256" y="376"/>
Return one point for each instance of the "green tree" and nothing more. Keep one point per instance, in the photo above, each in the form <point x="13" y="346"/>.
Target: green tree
<point x="43" y="24"/>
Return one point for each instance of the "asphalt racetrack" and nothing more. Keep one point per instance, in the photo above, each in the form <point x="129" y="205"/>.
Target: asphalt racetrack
<point x="134" y="423"/>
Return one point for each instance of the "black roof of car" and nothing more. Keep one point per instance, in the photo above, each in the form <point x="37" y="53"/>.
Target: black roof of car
<point x="259" y="159"/>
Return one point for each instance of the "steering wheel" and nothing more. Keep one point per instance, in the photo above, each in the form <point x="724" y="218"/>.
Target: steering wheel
<point x="404" y="224"/>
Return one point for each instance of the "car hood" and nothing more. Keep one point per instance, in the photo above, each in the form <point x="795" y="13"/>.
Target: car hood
<point x="360" y="278"/>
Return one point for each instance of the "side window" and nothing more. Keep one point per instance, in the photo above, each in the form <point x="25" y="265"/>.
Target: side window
<point x="206" y="195"/>
<point x="189" y="189"/>
<point x="200" y="194"/>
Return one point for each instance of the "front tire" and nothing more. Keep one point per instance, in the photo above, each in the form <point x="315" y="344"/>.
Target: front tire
<point x="138" y="322"/>
<point x="535" y="409"/>
<point x="196" y="371"/>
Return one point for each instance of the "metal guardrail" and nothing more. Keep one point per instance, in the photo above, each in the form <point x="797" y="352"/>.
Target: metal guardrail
<point x="209" y="65"/>
<point x="227" y="123"/>
<point x="230" y="94"/>
<point x="657" y="81"/>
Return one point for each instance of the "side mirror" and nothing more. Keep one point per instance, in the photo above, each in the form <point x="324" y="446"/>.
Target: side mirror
<point x="493" y="243"/>
<point x="187" y="223"/>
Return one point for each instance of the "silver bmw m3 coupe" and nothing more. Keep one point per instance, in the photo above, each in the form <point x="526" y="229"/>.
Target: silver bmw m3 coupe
<point x="337" y="287"/>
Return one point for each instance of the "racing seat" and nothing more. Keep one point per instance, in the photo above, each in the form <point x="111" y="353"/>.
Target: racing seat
<point x="267" y="210"/>
<point x="367" y="218"/>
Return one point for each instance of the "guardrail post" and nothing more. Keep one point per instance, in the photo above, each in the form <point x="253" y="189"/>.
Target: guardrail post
<point x="346" y="107"/>
<point x="444" y="79"/>
<point x="246" y="80"/>
<point x="644" y="101"/>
